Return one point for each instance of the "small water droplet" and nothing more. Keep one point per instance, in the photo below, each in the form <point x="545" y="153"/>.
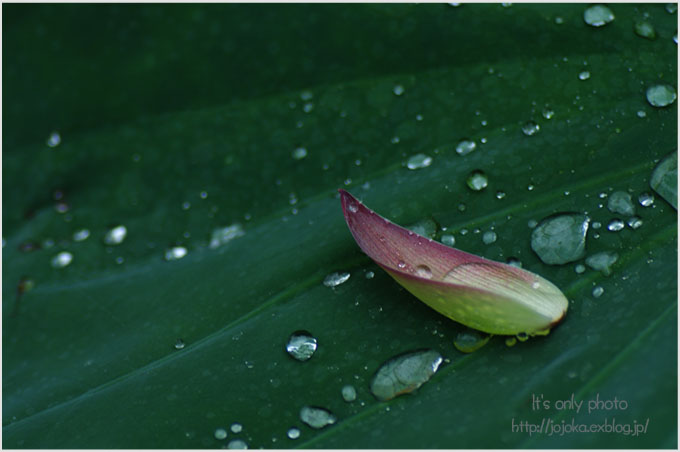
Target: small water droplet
<point x="80" y="235"/>
<point x="580" y="268"/>
<point x="500" y="194"/>
<point x="645" y="29"/>
<point x="308" y="107"/>
<point x="615" y="225"/>
<point x="116" y="235"/>
<point x="584" y="75"/>
<point x="465" y="146"/>
<point x="661" y="95"/>
<point x="602" y="261"/>
<point x="306" y="95"/>
<point x="62" y="259"/>
<point x="175" y="253"/>
<point x="424" y="271"/>
<point x="671" y="8"/>
<point x="462" y="207"/>
<point x="596" y="225"/>
<point x="179" y="344"/>
<point x="532" y="223"/>
<point x="448" y="239"/>
<point x="370" y="275"/>
<point x="53" y="140"/>
<point x="489" y="237"/>
<point x="394" y="140"/>
<point x="477" y="180"/>
<point x="530" y="128"/>
<point x="349" y="394"/>
<point x="316" y="417"/>
<point x="237" y="444"/>
<point x="335" y="279"/>
<point x="418" y="161"/>
<point x="560" y="239"/>
<point x="530" y="187"/>
<point x="470" y="340"/>
<point x="220" y="433"/>
<point x="646" y="199"/>
<point x="236" y="427"/>
<point x="301" y="345"/>
<point x="299" y="153"/>
<point x="203" y="194"/>
<point x="401" y="264"/>
<point x="548" y="113"/>
<point x="621" y="202"/>
<point x="293" y="433"/>
<point x="398" y="90"/>
<point x="598" y="291"/>
<point x="634" y="222"/>
<point x="224" y="235"/>
<point x="514" y="262"/>
<point x="598" y="16"/>
<point x="404" y="373"/>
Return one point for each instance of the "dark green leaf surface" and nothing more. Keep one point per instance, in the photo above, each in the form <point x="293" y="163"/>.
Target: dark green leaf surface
<point x="156" y="104"/>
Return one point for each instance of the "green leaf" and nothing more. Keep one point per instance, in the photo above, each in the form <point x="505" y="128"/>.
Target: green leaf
<point x="175" y="120"/>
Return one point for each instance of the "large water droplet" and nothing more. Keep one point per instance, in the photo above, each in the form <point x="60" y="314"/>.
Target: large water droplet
<point x="301" y="345"/>
<point x="237" y="444"/>
<point x="464" y="147"/>
<point x="645" y="29"/>
<point x="293" y="433"/>
<point x="661" y="95"/>
<point x="349" y="394"/>
<point x="424" y="271"/>
<point x="477" y="180"/>
<point x="80" y="235"/>
<point x="299" y="153"/>
<point x="404" y="373"/>
<point x="62" y="259"/>
<point x="116" y="235"/>
<point x="220" y="433"/>
<point x="621" y="202"/>
<point x="335" y="279"/>
<point x="316" y="417"/>
<point x="418" y="161"/>
<point x="598" y="16"/>
<point x="489" y="237"/>
<point x="602" y="261"/>
<point x="175" y="253"/>
<point x="646" y="199"/>
<point x="222" y="236"/>
<point x="560" y="239"/>
<point x="616" y="225"/>
<point x="665" y="177"/>
<point x="470" y="340"/>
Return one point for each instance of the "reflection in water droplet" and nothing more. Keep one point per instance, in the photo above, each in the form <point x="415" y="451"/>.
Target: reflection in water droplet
<point x="222" y="236"/>
<point x="81" y="235"/>
<point x="335" y="279"/>
<point x="646" y="199"/>
<point x="470" y="340"/>
<point x="602" y="261"/>
<point x="349" y="394"/>
<point x="530" y="128"/>
<point x="661" y="95"/>
<point x="621" y="202"/>
<point x="464" y="147"/>
<point x="116" y="235"/>
<point x="560" y="239"/>
<point x="299" y="153"/>
<point x="237" y="444"/>
<point x="448" y="239"/>
<point x="62" y="259"/>
<point x="293" y="433"/>
<point x="175" y="253"/>
<point x="598" y="15"/>
<point x="645" y="29"/>
<point x="179" y="344"/>
<point x="301" y="345"/>
<point x="424" y="271"/>
<point x="634" y="222"/>
<point x="477" y="180"/>
<point x="418" y="161"/>
<point x="598" y="291"/>
<point x="404" y="373"/>
<point x="489" y="237"/>
<point x="665" y="177"/>
<point x="236" y="427"/>
<point x="316" y="417"/>
<point x="615" y="225"/>
<point x="584" y="75"/>
<point x="220" y="433"/>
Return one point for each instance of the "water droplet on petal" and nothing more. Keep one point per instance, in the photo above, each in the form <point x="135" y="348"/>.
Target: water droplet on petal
<point x="530" y="128"/>
<point x="335" y="279"/>
<point x="598" y="291"/>
<point x="464" y="147"/>
<point x="470" y="340"/>
<point x="598" y="16"/>
<point x="615" y="225"/>
<point x="175" y="253"/>
<point x="299" y="153"/>
<point x="404" y="373"/>
<point x="661" y="95"/>
<point x="293" y="433"/>
<point x="560" y="239"/>
<point x="62" y="259"/>
<point x="301" y="345"/>
<point x="401" y="264"/>
<point x="353" y="207"/>
<point x="646" y="199"/>
<point x="116" y="235"/>
<point x="237" y="444"/>
<point x="316" y="417"/>
<point x="621" y="202"/>
<point x="220" y="433"/>
<point x="418" y="161"/>
<point x="645" y="29"/>
<point x="424" y="271"/>
<point x="477" y="180"/>
<point x="349" y="394"/>
<point x="80" y="235"/>
<point x="602" y="261"/>
<point x="489" y="237"/>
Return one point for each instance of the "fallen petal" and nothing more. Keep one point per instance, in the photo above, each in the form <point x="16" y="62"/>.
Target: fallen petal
<point x="485" y="295"/>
